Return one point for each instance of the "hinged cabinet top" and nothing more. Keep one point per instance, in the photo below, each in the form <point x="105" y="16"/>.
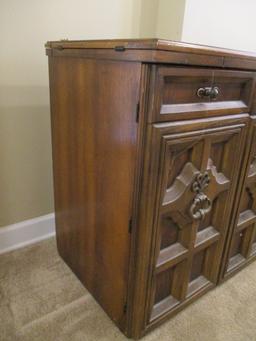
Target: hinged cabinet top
<point x="147" y="44"/>
<point x="154" y="50"/>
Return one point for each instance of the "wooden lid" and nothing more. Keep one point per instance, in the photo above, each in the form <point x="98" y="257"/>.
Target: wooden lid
<point x="147" y="44"/>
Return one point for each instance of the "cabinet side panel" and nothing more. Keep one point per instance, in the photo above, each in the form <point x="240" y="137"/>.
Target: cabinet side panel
<point x="94" y="129"/>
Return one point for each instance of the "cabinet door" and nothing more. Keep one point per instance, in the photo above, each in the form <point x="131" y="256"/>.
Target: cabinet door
<point x="197" y="166"/>
<point x="243" y="241"/>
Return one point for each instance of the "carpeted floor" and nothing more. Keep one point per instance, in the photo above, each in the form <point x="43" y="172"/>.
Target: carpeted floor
<point x="40" y="299"/>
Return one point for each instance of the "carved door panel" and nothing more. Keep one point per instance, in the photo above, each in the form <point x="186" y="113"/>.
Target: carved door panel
<point x="197" y="176"/>
<point x="243" y="241"/>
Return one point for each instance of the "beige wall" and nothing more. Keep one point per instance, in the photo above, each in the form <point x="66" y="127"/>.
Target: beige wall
<point x="25" y="144"/>
<point x="170" y="19"/>
<point x="148" y="18"/>
<point x="161" y="19"/>
<point x="229" y="23"/>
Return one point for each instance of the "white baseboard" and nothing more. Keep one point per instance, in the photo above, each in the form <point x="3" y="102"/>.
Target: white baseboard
<point x="26" y="232"/>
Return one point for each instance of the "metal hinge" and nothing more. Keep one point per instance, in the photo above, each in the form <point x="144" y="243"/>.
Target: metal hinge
<point x="138" y="112"/>
<point x="119" y="48"/>
<point x="130" y="226"/>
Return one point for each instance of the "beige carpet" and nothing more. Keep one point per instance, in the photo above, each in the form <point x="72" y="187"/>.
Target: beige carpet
<point x="40" y="299"/>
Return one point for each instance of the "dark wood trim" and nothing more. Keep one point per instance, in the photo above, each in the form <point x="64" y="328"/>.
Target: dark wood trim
<point x="134" y="269"/>
<point x="151" y="56"/>
<point x="154" y="51"/>
<point x="148" y="44"/>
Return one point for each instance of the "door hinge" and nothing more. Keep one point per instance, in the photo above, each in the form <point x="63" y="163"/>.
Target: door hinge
<point x="125" y="308"/>
<point x="138" y="112"/>
<point x="119" y="48"/>
<point x="130" y="226"/>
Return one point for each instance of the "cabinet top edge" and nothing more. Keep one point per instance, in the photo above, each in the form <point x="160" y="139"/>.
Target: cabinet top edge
<point x="149" y="44"/>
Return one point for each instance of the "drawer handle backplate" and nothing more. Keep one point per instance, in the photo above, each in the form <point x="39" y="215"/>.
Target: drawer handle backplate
<point x="201" y="204"/>
<point x="208" y="92"/>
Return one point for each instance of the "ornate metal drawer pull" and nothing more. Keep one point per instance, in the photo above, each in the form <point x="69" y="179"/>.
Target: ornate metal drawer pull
<point x="201" y="204"/>
<point x="211" y="92"/>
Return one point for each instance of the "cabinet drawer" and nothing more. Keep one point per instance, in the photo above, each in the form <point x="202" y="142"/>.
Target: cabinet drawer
<point x="181" y="93"/>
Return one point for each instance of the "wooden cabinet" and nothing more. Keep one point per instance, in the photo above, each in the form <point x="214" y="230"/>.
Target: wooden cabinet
<point x="154" y="149"/>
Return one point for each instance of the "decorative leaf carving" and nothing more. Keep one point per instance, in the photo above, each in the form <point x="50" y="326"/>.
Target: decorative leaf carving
<point x="202" y="181"/>
<point x="201" y="203"/>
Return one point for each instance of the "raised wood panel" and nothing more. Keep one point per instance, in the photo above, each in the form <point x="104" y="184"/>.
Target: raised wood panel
<point x="170" y="232"/>
<point x="198" y="168"/>
<point x="197" y="266"/>
<point x="242" y="240"/>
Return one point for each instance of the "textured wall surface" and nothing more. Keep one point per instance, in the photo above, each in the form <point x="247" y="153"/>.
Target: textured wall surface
<point x="229" y="23"/>
<point x="170" y="19"/>
<point x="25" y="143"/>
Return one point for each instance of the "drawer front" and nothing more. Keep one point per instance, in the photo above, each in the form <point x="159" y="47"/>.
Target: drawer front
<point x="198" y="163"/>
<point x="242" y="248"/>
<point x="183" y="93"/>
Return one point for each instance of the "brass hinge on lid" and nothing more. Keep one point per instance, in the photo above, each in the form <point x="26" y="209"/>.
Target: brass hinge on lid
<point x="138" y="112"/>
<point x="130" y="226"/>
<point x="119" y="48"/>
